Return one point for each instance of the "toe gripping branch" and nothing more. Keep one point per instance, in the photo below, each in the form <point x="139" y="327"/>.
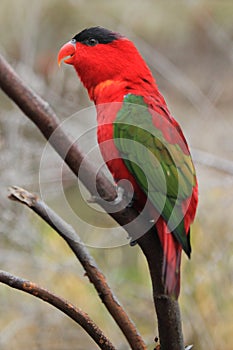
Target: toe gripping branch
<point x="123" y="200"/>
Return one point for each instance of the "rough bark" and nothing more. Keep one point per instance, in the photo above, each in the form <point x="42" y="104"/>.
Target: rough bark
<point x="66" y="307"/>
<point x="38" y="111"/>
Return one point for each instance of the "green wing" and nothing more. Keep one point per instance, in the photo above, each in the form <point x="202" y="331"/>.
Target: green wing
<point x="163" y="171"/>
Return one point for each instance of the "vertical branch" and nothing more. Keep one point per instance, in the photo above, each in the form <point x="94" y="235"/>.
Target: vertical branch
<point x="167" y="308"/>
<point x="45" y="119"/>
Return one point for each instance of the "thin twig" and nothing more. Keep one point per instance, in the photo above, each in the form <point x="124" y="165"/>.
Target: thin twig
<point x="40" y="113"/>
<point x="45" y="119"/>
<point x="66" y="307"/>
<point x="71" y="237"/>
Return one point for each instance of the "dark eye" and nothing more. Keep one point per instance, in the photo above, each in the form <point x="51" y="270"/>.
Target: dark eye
<point x="92" y="42"/>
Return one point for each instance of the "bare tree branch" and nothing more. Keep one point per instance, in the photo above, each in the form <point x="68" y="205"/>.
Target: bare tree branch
<point x="167" y="308"/>
<point x="77" y="246"/>
<point x="41" y="114"/>
<point x="66" y="307"/>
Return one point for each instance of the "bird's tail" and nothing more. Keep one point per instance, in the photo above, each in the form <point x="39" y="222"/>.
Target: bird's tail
<point x="171" y="259"/>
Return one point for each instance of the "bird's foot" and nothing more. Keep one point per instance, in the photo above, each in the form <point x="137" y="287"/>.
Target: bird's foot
<point x="121" y="195"/>
<point x="117" y="200"/>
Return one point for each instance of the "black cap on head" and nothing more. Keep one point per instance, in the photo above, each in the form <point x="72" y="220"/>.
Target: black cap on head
<point x="94" y="35"/>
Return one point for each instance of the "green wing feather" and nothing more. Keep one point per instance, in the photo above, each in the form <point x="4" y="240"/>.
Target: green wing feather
<point x="162" y="170"/>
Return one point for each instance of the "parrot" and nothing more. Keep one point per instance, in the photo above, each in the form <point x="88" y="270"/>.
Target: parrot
<point x="139" y="139"/>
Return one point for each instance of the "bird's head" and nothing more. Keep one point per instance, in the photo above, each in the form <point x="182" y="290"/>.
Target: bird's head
<point x="100" y="55"/>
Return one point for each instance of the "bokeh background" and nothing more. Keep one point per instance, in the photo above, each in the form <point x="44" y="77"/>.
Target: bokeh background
<point x="188" y="45"/>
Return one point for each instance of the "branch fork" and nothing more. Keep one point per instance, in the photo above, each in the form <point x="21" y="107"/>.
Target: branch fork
<point x="167" y="309"/>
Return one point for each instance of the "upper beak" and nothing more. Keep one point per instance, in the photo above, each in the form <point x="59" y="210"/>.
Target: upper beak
<point x="66" y="53"/>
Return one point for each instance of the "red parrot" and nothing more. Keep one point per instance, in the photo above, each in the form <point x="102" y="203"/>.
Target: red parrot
<point x="139" y="139"/>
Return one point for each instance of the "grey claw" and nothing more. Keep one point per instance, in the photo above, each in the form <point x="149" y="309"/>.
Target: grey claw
<point x="120" y="195"/>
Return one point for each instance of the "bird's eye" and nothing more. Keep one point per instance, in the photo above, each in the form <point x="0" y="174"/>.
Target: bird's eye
<point x="73" y="41"/>
<point x="92" y="42"/>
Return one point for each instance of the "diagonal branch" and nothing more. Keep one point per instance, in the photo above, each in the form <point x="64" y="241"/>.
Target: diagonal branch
<point x="66" y="307"/>
<point x="77" y="246"/>
<point x="39" y="112"/>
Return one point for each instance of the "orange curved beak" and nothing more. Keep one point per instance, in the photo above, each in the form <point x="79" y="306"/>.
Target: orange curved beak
<point x="66" y="53"/>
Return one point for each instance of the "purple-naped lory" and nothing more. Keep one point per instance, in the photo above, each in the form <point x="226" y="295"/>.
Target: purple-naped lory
<point x="139" y="139"/>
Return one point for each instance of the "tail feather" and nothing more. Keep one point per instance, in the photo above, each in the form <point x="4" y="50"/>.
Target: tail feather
<point x="171" y="259"/>
<point x="171" y="270"/>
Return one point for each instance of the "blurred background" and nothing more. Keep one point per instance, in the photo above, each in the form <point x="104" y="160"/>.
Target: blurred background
<point x="188" y="45"/>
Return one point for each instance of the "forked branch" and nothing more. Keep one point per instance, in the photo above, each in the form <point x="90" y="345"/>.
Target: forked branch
<point x="39" y="112"/>
<point x="77" y="246"/>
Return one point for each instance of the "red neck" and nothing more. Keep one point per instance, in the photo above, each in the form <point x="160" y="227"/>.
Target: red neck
<point x="117" y="65"/>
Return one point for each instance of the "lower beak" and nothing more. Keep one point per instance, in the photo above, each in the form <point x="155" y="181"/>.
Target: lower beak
<point x="66" y="53"/>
